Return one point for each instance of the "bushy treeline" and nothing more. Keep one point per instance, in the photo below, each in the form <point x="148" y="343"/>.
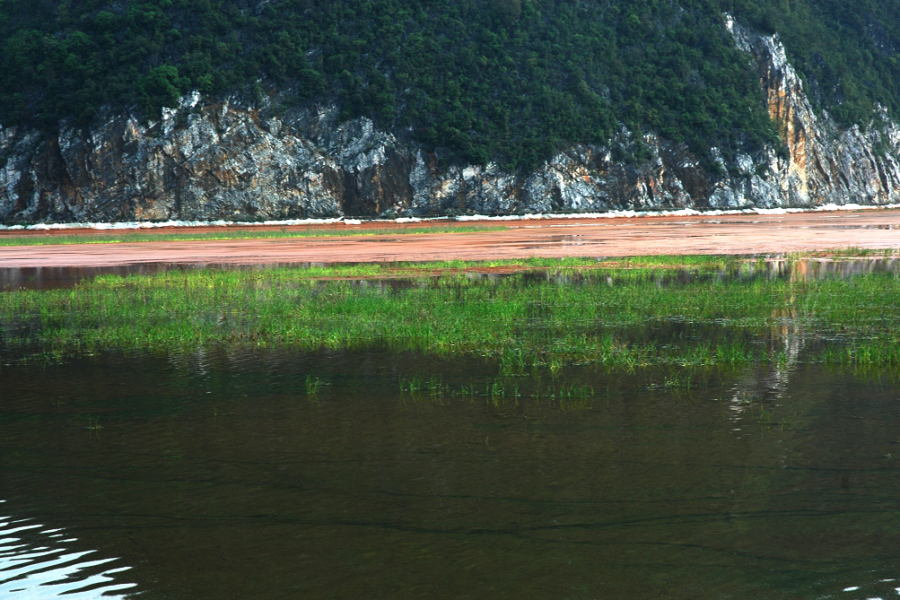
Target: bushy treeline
<point x="507" y="80"/>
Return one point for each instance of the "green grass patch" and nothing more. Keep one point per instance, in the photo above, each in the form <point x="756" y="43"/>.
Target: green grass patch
<point x="712" y="315"/>
<point x="233" y="234"/>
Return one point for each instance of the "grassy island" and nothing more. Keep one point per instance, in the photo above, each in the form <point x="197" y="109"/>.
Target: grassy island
<point x="676" y="311"/>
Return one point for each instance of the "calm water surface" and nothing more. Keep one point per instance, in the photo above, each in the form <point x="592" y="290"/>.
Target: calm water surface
<point x="216" y="475"/>
<point x="48" y="278"/>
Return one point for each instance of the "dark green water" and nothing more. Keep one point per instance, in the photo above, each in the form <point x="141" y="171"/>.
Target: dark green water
<point x="218" y="476"/>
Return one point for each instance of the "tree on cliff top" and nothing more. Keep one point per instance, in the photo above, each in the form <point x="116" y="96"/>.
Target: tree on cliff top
<point x="506" y="80"/>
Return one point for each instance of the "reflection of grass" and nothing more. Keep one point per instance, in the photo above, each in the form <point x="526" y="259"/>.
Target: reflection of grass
<point x="630" y="318"/>
<point x="499" y="390"/>
<point x="231" y="234"/>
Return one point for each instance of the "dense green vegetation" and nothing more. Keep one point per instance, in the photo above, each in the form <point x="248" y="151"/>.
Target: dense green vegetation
<point x="641" y="316"/>
<point x="512" y="80"/>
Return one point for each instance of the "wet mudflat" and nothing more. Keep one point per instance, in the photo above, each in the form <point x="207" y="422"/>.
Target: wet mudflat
<point x="232" y="471"/>
<point x="727" y="234"/>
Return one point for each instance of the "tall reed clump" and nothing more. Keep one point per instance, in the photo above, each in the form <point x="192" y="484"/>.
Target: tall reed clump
<point x="621" y="318"/>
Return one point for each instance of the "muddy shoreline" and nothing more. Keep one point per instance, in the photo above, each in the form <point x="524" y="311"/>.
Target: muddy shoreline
<point x="616" y="237"/>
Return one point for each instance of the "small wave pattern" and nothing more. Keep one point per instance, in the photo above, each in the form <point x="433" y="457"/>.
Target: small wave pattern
<point x="881" y="589"/>
<point x="38" y="564"/>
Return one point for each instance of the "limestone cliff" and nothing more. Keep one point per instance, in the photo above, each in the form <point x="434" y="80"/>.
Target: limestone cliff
<point x="825" y="164"/>
<point x="230" y="160"/>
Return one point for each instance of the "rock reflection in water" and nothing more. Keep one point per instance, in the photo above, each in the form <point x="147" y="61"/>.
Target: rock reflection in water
<point x="818" y="268"/>
<point x="48" y="278"/>
<point x="812" y="268"/>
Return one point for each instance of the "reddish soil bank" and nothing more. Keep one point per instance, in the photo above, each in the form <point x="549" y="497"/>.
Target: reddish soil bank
<point x="733" y="234"/>
<point x="339" y="226"/>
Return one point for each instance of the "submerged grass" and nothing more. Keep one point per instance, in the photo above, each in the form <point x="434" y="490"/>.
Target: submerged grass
<point x="232" y="234"/>
<point x="562" y="315"/>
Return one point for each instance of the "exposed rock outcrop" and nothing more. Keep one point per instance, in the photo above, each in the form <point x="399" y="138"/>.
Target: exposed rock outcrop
<point x="825" y="164"/>
<point x="231" y="161"/>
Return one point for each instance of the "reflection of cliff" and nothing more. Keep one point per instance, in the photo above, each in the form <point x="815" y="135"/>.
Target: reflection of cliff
<point x="786" y="340"/>
<point x="791" y="334"/>
<point x="234" y="161"/>
<point x="771" y="381"/>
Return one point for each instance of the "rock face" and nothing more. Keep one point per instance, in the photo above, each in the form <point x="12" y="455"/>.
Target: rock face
<point x="825" y="164"/>
<point x="232" y="161"/>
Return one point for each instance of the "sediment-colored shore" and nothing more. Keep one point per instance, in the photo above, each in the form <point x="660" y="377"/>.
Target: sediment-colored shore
<point x="729" y="234"/>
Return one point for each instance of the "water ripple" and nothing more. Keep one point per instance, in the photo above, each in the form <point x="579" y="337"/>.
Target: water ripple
<point x="38" y="563"/>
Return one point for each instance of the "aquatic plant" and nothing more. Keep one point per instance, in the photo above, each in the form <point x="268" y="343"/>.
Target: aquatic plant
<point x="313" y="384"/>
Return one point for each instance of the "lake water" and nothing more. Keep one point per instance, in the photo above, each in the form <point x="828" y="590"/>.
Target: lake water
<point x="218" y="475"/>
<point x="46" y="278"/>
